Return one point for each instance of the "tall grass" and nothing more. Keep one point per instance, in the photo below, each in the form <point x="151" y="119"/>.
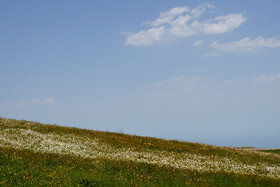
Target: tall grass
<point x="37" y="154"/>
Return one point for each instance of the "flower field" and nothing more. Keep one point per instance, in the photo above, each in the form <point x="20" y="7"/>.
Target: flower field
<point x="39" y="154"/>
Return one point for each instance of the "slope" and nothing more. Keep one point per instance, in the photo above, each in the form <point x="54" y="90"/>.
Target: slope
<point x="40" y="154"/>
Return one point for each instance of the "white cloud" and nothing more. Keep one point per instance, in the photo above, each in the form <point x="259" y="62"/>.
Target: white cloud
<point x="182" y="22"/>
<point x="48" y="100"/>
<point x="231" y="82"/>
<point x="248" y="44"/>
<point x="167" y="17"/>
<point x="219" y="25"/>
<point x="147" y="37"/>
<point x="266" y="79"/>
<point x="197" y="43"/>
<point x="209" y="55"/>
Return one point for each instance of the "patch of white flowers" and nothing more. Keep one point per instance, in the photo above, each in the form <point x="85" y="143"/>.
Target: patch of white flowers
<point x="94" y="148"/>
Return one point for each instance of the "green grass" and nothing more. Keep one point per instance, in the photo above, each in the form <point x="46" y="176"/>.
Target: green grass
<point x="276" y="151"/>
<point x="24" y="166"/>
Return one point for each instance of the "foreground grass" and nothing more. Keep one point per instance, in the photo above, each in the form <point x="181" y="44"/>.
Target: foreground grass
<point x="35" y="154"/>
<point x="23" y="167"/>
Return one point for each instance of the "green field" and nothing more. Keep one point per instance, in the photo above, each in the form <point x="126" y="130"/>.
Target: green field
<point x="34" y="154"/>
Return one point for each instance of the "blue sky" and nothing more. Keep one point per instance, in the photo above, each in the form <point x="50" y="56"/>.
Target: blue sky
<point x="200" y="71"/>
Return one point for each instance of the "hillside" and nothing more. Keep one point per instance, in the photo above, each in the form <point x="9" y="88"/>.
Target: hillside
<point x="35" y="154"/>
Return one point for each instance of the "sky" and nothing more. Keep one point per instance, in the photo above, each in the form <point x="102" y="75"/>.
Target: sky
<point x="198" y="71"/>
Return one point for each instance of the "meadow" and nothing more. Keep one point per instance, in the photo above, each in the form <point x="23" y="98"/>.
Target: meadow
<point x="35" y="154"/>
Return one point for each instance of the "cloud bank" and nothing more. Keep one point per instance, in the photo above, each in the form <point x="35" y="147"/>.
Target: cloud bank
<point x="248" y="44"/>
<point x="48" y="100"/>
<point x="266" y="79"/>
<point x="181" y="22"/>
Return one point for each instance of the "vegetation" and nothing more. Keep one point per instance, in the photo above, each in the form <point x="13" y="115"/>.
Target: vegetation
<point x="34" y="154"/>
<point x="277" y="151"/>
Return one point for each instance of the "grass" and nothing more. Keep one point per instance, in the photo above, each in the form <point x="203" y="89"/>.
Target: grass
<point x="276" y="151"/>
<point x="34" y="154"/>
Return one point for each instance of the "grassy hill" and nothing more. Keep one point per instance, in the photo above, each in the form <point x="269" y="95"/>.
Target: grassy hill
<point x="34" y="154"/>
